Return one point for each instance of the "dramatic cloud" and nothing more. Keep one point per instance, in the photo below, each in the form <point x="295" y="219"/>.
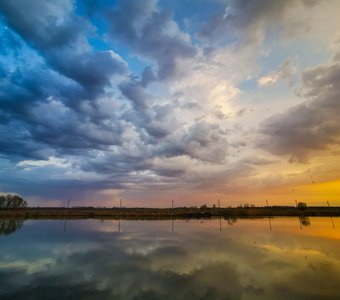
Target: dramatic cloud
<point x="101" y="100"/>
<point x="59" y="35"/>
<point x="152" y="33"/>
<point x="313" y="125"/>
<point x="248" y="21"/>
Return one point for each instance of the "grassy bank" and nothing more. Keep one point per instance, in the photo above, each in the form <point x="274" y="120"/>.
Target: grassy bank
<point x="165" y="213"/>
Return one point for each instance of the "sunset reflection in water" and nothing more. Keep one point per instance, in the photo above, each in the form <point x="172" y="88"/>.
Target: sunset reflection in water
<point x="276" y="258"/>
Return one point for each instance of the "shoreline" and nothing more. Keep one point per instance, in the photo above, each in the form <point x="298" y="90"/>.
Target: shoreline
<point x="167" y="213"/>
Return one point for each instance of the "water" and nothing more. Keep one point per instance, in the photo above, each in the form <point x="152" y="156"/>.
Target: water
<point x="278" y="258"/>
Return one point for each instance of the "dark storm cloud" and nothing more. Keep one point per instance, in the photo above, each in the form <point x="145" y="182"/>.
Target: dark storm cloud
<point x="157" y="121"/>
<point x="135" y="92"/>
<point x="59" y="36"/>
<point x="202" y="141"/>
<point x="53" y="107"/>
<point x="170" y="170"/>
<point x="16" y="143"/>
<point x="248" y="20"/>
<point x="118" y="165"/>
<point x="20" y="93"/>
<point x="168" y="158"/>
<point x="206" y="141"/>
<point x="26" y="86"/>
<point x="151" y="33"/>
<point x="58" y="104"/>
<point x="76" y="136"/>
<point x="25" y="103"/>
<point x="42" y="23"/>
<point x="92" y="70"/>
<point x="61" y="99"/>
<point x="313" y="125"/>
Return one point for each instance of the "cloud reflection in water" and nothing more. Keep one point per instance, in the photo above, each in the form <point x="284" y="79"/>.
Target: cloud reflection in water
<point x="148" y="261"/>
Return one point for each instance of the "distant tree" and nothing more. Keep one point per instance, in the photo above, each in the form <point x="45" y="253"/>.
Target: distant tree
<point x="246" y="205"/>
<point x="302" y="205"/>
<point x="11" y="201"/>
<point x="204" y="206"/>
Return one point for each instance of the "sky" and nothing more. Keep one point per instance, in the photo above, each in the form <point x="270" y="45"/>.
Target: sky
<point x="151" y="101"/>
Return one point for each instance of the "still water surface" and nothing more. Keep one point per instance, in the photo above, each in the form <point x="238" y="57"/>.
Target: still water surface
<point x="278" y="258"/>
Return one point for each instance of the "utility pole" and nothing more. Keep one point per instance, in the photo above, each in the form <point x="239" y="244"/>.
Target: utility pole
<point x="219" y="203"/>
<point x="120" y="203"/>
<point x="68" y="203"/>
<point x="172" y="203"/>
<point x="267" y="203"/>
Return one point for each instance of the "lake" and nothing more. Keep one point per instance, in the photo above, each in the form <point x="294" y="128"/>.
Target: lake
<point x="277" y="258"/>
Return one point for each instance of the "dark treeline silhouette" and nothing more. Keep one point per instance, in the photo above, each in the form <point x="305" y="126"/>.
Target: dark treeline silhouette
<point x="13" y="206"/>
<point x="12" y="201"/>
<point x="167" y="213"/>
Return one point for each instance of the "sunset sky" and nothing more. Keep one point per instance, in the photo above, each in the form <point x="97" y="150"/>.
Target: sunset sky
<point x="150" y="101"/>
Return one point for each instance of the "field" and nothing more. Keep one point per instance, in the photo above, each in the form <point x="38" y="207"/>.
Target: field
<point x="165" y="213"/>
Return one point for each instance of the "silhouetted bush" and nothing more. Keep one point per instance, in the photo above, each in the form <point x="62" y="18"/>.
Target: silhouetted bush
<point x="302" y="205"/>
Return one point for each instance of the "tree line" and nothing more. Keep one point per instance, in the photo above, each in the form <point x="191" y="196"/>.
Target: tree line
<point x="11" y="201"/>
